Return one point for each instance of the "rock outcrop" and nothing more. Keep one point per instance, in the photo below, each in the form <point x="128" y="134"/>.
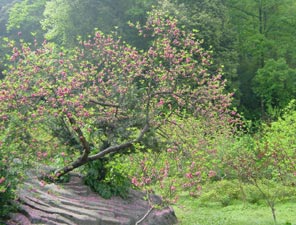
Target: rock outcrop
<point x="73" y="203"/>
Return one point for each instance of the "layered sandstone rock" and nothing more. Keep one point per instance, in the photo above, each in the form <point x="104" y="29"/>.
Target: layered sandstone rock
<point x="74" y="203"/>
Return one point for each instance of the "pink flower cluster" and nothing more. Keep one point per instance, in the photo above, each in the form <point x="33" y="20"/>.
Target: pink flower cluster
<point x="2" y="179"/>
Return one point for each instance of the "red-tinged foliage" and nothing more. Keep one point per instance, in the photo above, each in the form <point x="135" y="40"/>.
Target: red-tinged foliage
<point x="106" y="87"/>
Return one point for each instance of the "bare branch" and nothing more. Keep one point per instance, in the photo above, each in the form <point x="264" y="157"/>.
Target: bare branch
<point x="85" y="144"/>
<point x="109" y="150"/>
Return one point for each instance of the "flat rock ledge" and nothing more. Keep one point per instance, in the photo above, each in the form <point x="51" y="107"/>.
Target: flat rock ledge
<point x="73" y="203"/>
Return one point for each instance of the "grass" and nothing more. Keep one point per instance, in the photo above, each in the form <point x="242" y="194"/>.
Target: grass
<point x="191" y="212"/>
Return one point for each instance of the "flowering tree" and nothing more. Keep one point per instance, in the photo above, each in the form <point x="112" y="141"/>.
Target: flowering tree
<point x="105" y="91"/>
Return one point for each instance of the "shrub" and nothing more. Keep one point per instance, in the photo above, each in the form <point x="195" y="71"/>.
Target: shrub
<point x="274" y="191"/>
<point x="224" y="192"/>
<point x="106" y="179"/>
<point x="7" y="187"/>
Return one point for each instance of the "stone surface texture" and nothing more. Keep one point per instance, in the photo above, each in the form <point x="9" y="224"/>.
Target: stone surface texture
<point x="73" y="203"/>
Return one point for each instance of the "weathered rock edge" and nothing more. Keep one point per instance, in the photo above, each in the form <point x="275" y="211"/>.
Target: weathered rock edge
<point x="74" y="203"/>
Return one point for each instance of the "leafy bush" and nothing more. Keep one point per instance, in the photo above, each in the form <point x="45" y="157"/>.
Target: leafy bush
<point x="267" y="189"/>
<point x="7" y="187"/>
<point x="278" y="146"/>
<point x="188" y="154"/>
<point x="224" y="192"/>
<point x="11" y="163"/>
<point x="266" y="159"/>
<point x="106" y="180"/>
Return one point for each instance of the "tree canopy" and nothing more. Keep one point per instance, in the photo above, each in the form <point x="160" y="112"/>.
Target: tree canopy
<point x="108" y="88"/>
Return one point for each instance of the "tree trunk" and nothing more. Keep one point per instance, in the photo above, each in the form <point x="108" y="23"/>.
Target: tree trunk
<point x="85" y="158"/>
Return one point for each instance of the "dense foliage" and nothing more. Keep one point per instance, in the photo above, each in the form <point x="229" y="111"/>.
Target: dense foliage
<point x="8" y="182"/>
<point x="104" y="96"/>
<point x="243" y="35"/>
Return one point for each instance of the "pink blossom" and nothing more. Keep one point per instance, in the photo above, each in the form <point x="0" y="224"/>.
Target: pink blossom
<point x="2" y="179"/>
<point x="98" y="35"/>
<point x="135" y="181"/>
<point x="186" y="185"/>
<point x="147" y="180"/>
<point x="160" y="103"/>
<point x="212" y="173"/>
<point x="199" y="187"/>
<point x="5" y="117"/>
<point x="233" y="113"/>
<point x="42" y="183"/>
<point x="189" y="175"/>
<point x="197" y="173"/>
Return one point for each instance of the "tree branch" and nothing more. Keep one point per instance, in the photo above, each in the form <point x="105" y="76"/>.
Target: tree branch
<point x="77" y="163"/>
<point x="86" y="158"/>
<point x="83" y="159"/>
<point x="117" y="148"/>
<point x="85" y="144"/>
